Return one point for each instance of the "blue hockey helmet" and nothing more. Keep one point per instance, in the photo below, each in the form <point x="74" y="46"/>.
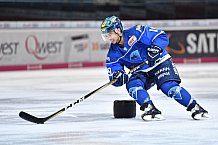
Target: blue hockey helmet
<point x="110" y="24"/>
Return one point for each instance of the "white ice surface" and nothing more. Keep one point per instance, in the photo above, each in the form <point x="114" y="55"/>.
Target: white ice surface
<point x="91" y="122"/>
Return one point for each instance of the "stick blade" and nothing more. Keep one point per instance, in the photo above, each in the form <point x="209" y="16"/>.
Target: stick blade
<point x="31" y="118"/>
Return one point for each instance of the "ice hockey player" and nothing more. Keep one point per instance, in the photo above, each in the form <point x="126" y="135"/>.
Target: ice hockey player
<point x="139" y="44"/>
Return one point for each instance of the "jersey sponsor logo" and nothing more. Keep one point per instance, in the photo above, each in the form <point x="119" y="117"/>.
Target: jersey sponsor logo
<point x="132" y="39"/>
<point x="163" y="75"/>
<point x="134" y="56"/>
<point x="162" y="72"/>
<point x="165" y="69"/>
<point x="153" y="50"/>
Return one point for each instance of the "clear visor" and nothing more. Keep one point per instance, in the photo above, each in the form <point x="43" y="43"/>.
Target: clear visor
<point x="105" y="36"/>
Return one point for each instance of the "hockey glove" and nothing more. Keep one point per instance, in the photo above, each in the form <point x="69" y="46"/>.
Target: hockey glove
<point x="153" y="54"/>
<point x="121" y="77"/>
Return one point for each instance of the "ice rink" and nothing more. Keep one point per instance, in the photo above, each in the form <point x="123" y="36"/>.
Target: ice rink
<point x="91" y="122"/>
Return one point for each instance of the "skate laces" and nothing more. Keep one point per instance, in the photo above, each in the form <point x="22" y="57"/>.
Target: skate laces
<point x="149" y="108"/>
<point x="196" y="108"/>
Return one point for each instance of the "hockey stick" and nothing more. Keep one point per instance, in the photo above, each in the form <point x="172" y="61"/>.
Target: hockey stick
<point x="37" y="120"/>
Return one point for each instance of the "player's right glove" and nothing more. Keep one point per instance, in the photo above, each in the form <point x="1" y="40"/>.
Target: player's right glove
<point x="121" y="76"/>
<point x="153" y="55"/>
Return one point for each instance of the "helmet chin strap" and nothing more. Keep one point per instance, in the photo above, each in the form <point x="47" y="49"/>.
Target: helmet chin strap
<point x="118" y="35"/>
<point x="119" y="39"/>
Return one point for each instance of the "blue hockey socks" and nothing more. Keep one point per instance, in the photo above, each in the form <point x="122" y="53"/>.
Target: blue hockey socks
<point x="139" y="94"/>
<point x="181" y="95"/>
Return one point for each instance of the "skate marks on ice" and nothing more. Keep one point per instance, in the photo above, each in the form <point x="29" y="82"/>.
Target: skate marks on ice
<point x="108" y="131"/>
<point x="92" y="122"/>
<point x="82" y="117"/>
<point x="131" y="131"/>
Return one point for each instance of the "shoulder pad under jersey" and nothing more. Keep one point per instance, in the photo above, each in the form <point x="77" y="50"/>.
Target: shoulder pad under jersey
<point x="136" y="30"/>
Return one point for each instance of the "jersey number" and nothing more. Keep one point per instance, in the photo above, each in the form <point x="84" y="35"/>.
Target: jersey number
<point x="109" y="70"/>
<point x="152" y="29"/>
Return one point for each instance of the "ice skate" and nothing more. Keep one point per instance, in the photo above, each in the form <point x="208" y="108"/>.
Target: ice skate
<point x="198" y="113"/>
<point x="151" y="113"/>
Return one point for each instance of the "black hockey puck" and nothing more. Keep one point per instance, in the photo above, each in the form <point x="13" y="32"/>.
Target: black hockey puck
<point x="124" y="108"/>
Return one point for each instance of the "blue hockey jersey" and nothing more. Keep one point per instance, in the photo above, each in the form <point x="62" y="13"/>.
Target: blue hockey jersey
<point x="136" y="41"/>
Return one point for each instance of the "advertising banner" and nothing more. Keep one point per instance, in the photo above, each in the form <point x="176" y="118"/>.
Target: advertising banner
<point x="30" y="47"/>
<point x="51" y="46"/>
<point x="193" y="44"/>
<point x="47" y="45"/>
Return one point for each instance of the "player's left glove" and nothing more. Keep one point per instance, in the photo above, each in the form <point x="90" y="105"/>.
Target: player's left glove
<point x="121" y="77"/>
<point x="153" y="55"/>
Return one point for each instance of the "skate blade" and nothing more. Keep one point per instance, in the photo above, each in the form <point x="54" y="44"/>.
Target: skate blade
<point x="157" y="117"/>
<point x="202" y="116"/>
<point x="206" y="116"/>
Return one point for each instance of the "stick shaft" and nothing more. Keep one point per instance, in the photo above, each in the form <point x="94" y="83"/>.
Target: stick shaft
<point x="37" y="120"/>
